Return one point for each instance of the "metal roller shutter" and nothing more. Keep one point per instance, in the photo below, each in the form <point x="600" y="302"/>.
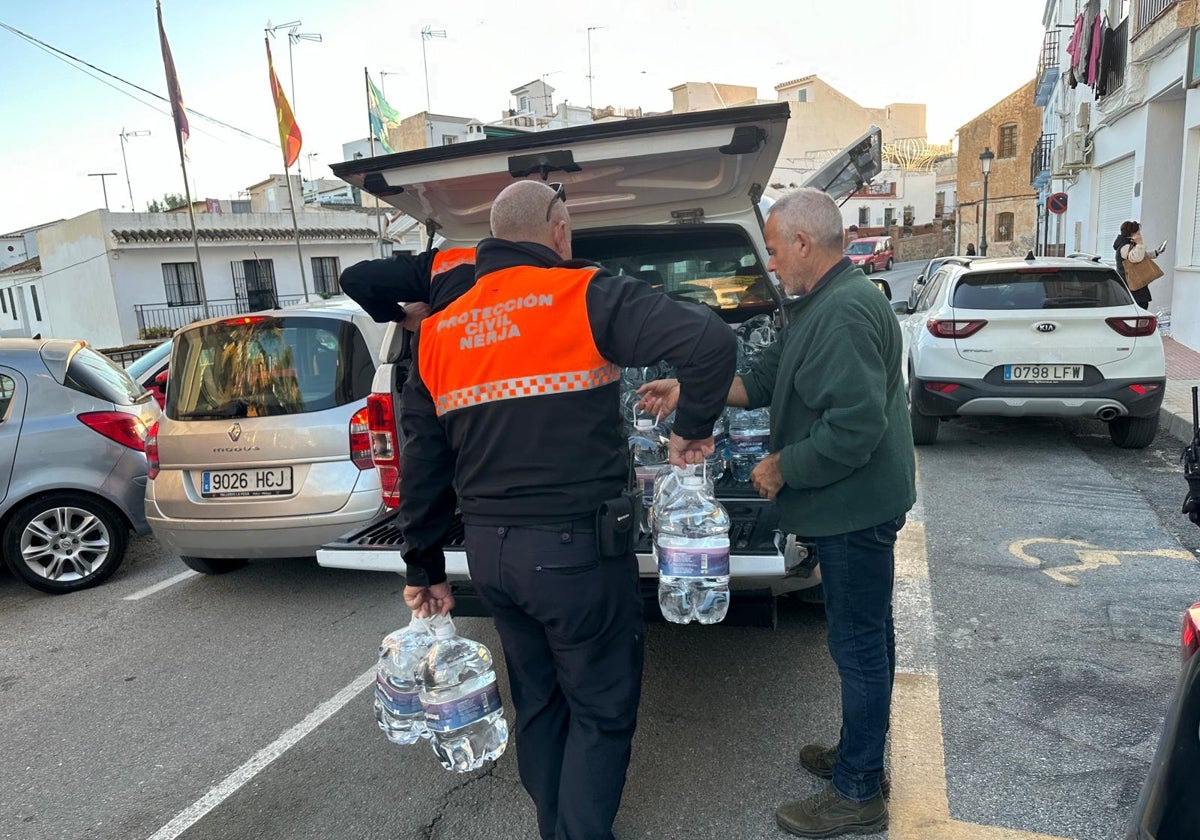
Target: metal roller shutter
<point x="1116" y="203"/>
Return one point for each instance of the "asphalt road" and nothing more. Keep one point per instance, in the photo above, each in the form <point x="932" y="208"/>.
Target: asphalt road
<point x="237" y="706"/>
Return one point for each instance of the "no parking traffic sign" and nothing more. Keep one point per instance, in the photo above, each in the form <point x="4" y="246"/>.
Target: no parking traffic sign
<point x="1057" y="203"/>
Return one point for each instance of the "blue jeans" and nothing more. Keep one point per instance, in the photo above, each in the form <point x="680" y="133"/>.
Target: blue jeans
<point x="857" y="571"/>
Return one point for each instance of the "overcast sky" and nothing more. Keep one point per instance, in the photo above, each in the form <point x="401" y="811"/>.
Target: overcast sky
<point x="57" y="124"/>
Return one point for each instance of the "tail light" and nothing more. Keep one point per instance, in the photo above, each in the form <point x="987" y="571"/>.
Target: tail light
<point x="942" y="387"/>
<point x="1141" y="389"/>
<point x="381" y="420"/>
<point x="954" y="329"/>
<point x="360" y="441"/>
<point x="118" y="427"/>
<point x="243" y="320"/>
<point x="152" y="451"/>
<point x="1191" y="632"/>
<point x="1137" y="326"/>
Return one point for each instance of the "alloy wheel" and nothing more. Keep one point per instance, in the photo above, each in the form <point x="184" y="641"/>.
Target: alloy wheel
<point x="65" y="543"/>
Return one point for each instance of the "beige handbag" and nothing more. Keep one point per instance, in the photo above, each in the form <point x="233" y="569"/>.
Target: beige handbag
<point x="1139" y="275"/>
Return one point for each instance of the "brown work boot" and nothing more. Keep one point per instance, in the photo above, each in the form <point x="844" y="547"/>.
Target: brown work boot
<point x="818" y="760"/>
<point x="827" y="814"/>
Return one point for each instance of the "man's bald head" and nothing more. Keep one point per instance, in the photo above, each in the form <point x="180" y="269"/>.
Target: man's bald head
<point x="519" y="215"/>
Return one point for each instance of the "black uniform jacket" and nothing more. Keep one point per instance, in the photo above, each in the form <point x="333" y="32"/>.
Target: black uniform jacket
<point x="546" y="457"/>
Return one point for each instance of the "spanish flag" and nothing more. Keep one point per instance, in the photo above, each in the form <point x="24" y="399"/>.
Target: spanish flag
<point x="289" y="132"/>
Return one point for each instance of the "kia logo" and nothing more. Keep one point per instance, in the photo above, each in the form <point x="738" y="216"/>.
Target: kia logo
<point x="235" y="431"/>
<point x="1040" y="328"/>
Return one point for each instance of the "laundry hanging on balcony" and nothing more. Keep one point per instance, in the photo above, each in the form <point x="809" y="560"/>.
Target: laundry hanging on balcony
<point x="1090" y="49"/>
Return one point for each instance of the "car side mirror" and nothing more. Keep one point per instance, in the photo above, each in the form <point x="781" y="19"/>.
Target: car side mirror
<point x="920" y="281"/>
<point x="161" y="379"/>
<point x="901" y="307"/>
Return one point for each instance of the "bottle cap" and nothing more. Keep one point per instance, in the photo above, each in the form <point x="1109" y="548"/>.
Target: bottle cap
<point x="443" y="628"/>
<point x="643" y="423"/>
<point x="693" y="480"/>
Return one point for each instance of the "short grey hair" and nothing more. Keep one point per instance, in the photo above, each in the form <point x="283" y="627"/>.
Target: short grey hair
<point x="813" y="212"/>
<point x="519" y="212"/>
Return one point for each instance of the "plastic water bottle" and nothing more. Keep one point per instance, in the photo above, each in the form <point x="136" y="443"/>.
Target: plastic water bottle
<point x="714" y="464"/>
<point x="461" y="701"/>
<point x="749" y="441"/>
<point x="691" y="543"/>
<point x="648" y="448"/>
<point x="397" y="690"/>
<point x="1164" y="322"/>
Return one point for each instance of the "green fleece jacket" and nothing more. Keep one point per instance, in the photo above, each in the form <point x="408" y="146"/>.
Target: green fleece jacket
<point x="839" y="418"/>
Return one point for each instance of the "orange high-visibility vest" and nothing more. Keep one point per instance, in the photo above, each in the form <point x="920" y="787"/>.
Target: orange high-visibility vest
<point x="519" y="332"/>
<point x="443" y="261"/>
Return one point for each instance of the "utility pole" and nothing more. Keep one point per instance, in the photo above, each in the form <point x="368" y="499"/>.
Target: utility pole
<point x="124" y="134"/>
<point x="103" y="183"/>
<point x="590" y="29"/>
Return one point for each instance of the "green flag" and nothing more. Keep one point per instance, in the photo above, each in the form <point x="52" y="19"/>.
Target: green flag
<point x="383" y="115"/>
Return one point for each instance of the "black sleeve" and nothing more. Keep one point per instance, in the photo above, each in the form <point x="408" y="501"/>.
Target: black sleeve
<point x="379" y="285"/>
<point x="427" y="498"/>
<point x="635" y="325"/>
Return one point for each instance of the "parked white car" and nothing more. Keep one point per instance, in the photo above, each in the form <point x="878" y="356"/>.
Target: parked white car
<point x="1033" y="337"/>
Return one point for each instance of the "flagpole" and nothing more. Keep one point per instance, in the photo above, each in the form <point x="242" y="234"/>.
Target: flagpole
<point x="179" y="116"/>
<point x="288" y="130"/>
<point x="295" y="228"/>
<point x="371" y="134"/>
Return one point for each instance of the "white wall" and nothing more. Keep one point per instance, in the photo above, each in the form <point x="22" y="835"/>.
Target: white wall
<point x="76" y="288"/>
<point x="916" y="188"/>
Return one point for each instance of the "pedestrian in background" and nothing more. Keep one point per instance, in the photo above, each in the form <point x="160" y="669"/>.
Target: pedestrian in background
<point x="514" y="401"/>
<point x="842" y="473"/>
<point x="1129" y="246"/>
<point x="970" y="249"/>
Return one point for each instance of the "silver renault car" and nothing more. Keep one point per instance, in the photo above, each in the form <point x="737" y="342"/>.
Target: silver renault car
<point x="72" y="462"/>
<point x="263" y="449"/>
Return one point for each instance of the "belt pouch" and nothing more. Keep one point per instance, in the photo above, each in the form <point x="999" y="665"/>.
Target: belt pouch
<point x="617" y="524"/>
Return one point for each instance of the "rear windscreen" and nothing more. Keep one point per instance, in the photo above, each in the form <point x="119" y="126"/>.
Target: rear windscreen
<point x="92" y="373"/>
<point x="1068" y="288"/>
<point x="707" y="264"/>
<point x="263" y="367"/>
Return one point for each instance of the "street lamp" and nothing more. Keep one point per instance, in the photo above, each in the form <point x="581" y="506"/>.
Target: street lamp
<point x="125" y="161"/>
<point x="428" y="34"/>
<point x="985" y="162"/>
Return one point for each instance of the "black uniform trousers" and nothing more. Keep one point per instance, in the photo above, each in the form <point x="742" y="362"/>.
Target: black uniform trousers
<point x="571" y="626"/>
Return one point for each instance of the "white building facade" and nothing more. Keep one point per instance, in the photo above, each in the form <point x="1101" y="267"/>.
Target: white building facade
<point x="1126" y="146"/>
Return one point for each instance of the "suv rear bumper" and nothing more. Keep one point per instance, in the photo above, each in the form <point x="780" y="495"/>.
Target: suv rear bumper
<point x="377" y="547"/>
<point x="975" y="397"/>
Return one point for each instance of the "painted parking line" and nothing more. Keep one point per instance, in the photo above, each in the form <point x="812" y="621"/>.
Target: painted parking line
<point x="161" y="585"/>
<point x="230" y="784"/>
<point x="920" y="807"/>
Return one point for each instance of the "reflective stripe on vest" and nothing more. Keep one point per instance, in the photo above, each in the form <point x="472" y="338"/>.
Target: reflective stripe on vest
<point x="520" y="332"/>
<point x="443" y="261"/>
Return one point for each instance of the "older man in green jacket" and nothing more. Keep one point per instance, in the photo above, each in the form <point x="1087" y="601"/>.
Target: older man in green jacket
<point x="842" y="472"/>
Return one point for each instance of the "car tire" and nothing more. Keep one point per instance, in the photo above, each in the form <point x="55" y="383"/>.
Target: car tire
<point x="869" y="267"/>
<point x="1133" y="432"/>
<point x="96" y="536"/>
<point x="213" y="565"/>
<point x="890" y="263"/>
<point x="924" y="429"/>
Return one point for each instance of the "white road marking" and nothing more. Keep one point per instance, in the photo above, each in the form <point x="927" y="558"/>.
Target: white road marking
<point x="191" y="815"/>
<point x="158" y="587"/>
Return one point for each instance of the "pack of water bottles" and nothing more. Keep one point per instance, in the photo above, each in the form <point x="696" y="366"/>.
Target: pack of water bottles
<point x="691" y="545"/>
<point x="431" y="683"/>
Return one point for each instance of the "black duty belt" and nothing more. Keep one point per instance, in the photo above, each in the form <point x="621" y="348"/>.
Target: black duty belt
<point x="581" y="525"/>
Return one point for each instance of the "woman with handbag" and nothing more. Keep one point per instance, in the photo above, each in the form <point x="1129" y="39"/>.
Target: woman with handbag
<point x="1135" y="263"/>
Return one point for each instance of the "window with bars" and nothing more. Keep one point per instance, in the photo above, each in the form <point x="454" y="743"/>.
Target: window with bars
<point x="254" y="284"/>
<point x="1004" y="227"/>
<point x="179" y="280"/>
<point x="37" y="306"/>
<point x="1008" y="141"/>
<point x="864" y="216"/>
<point x="325" y="275"/>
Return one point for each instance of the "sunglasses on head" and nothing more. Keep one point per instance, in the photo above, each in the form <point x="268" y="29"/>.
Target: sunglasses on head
<point x="560" y="192"/>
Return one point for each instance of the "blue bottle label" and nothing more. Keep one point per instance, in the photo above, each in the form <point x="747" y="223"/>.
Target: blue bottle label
<point x="692" y="562"/>
<point x="455" y="714"/>
<point x="749" y="443"/>
<point x="400" y="703"/>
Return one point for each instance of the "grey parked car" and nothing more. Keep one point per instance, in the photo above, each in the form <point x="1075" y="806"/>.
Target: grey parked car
<point x="263" y="449"/>
<point x="72" y="462"/>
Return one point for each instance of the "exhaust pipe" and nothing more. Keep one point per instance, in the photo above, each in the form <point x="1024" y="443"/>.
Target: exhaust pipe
<point x="1107" y="413"/>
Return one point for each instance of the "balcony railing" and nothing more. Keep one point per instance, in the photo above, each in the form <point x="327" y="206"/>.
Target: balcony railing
<point x="1116" y="73"/>
<point x="1149" y="11"/>
<point x="1039" y="161"/>
<point x="160" y="318"/>
<point x="1048" y="69"/>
